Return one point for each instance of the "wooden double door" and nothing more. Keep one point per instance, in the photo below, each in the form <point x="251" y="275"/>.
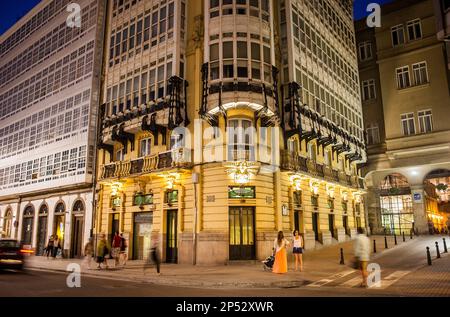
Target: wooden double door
<point x="242" y="233"/>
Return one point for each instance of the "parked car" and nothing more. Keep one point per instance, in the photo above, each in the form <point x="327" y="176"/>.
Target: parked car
<point x="12" y="255"/>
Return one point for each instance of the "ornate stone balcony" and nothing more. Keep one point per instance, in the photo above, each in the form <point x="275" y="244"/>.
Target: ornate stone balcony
<point x="179" y="158"/>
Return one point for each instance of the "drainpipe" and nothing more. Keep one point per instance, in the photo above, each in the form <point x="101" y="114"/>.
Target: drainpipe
<point x="16" y="229"/>
<point x="194" y="230"/>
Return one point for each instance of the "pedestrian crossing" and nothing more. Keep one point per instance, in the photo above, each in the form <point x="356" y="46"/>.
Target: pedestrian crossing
<point x="352" y="279"/>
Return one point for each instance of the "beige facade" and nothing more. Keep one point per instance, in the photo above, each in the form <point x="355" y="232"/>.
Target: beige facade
<point x="217" y="194"/>
<point x="413" y="101"/>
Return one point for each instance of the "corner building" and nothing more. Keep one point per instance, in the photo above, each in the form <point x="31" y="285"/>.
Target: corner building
<point x="49" y="89"/>
<point x="224" y="122"/>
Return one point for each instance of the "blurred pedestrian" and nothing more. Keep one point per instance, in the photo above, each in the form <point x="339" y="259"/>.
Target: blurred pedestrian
<point x="102" y="251"/>
<point x="280" y="244"/>
<point x="362" y="254"/>
<point x="88" y="253"/>
<point x="117" y="240"/>
<point x="49" y="247"/>
<point x="123" y="250"/>
<point x="154" y="257"/>
<point x="56" y="247"/>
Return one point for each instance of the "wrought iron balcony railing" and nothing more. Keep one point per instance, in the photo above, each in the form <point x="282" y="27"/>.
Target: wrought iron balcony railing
<point x="296" y="163"/>
<point x="178" y="158"/>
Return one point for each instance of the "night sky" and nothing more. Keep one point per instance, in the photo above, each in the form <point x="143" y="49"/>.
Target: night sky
<point x="11" y="11"/>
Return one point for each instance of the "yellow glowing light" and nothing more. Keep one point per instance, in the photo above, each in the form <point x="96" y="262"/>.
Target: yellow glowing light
<point x="330" y="191"/>
<point x="314" y="185"/>
<point x="344" y="195"/>
<point x="241" y="172"/>
<point x="296" y="181"/>
<point x="115" y="188"/>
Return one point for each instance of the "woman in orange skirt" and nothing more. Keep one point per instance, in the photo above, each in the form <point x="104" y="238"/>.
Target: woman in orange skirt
<point x="280" y="244"/>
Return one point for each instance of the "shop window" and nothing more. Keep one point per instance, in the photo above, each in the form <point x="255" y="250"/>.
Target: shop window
<point x="141" y="199"/>
<point x="297" y="198"/>
<point x="171" y="197"/>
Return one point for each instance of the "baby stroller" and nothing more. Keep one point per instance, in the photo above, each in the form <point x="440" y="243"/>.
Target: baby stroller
<point x="268" y="263"/>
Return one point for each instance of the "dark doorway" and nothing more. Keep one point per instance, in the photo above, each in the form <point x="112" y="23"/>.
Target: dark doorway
<point x="27" y="225"/>
<point x="171" y="242"/>
<point x="115" y="224"/>
<point x="358" y="222"/>
<point x="77" y="236"/>
<point x="41" y="235"/>
<point x="142" y="235"/>
<point x="345" y="224"/>
<point x="298" y="221"/>
<point x="315" y="223"/>
<point x="242" y="233"/>
<point x="331" y="225"/>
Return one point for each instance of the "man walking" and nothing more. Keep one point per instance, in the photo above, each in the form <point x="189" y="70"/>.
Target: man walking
<point x="117" y="241"/>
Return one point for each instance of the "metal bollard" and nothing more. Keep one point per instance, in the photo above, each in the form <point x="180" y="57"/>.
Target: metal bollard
<point x="403" y="233"/>
<point x="395" y="239"/>
<point x="342" y="256"/>
<point x="445" y="246"/>
<point x="428" y="256"/>
<point x="438" y="254"/>
<point x="385" y="243"/>
<point x="374" y="246"/>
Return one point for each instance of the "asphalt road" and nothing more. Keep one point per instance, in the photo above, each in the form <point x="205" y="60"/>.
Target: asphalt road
<point x="47" y="284"/>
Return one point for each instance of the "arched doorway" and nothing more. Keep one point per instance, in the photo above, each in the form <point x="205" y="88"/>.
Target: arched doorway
<point x="77" y="229"/>
<point x="27" y="225"/>
<point x="397" y="214"/>
<point x="437" y="200"/>
<point x="42" y="229"/>
<point x="7" y="224"/>
<point x="59" y="222"/>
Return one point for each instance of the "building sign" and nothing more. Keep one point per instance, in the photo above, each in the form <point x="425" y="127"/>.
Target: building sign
<point x="417" y="197"/>
<point x="245" y="192"/>
<point x="285" y="210"/>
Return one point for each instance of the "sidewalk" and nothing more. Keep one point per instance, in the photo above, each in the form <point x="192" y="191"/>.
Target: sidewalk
<point x="317" y="264"/>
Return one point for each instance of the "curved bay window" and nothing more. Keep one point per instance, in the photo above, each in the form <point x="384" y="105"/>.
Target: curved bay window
<point x="397" y="214"/>
<point x="241" y="141"/>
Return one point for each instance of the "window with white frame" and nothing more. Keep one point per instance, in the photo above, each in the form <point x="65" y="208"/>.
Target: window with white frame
<point x="425" y="121"/>
<point x="414" y="30"/>
<point x="368" y="89"/>
<point x="398" y="35"/>
<point x="420" y="73"/>
<point x="119" y="155"/>
<point x="145" y="147"/>
<point x="373" y="133"/>
<point x="365" y="51"/>
<point x="241" y="140"/>
<point x="403" y="79"/>
<point x="408" y="126"/>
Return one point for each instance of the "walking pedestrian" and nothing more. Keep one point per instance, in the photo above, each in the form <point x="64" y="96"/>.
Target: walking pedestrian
<point x="280" y="244"/>
<point x="362" y="254"/>
<point x="56" y="246"/>
<point x="49" y="247"/>
<point x="117" y="240"/>
<point x="88" y="253"/>
<point x="154" y="257"/>
<point x="123" y="250"/>
<point x="102" y="251"/>
<point x="298" y="250"/>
